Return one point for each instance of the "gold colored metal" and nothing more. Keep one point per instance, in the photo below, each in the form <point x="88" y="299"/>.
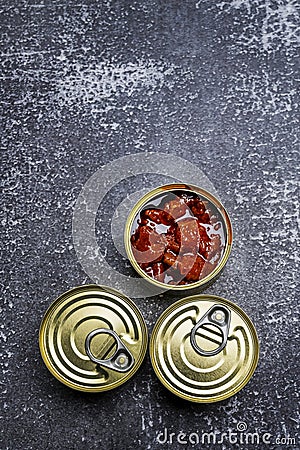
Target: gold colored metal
<point x="189" y="374"/>
<point x="204" y="282"/>
<point x="66" y="333"/>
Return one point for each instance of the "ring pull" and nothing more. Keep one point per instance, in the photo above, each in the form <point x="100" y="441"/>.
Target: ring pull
<point x="121" y="361"/>
<point x="219" y="316"/>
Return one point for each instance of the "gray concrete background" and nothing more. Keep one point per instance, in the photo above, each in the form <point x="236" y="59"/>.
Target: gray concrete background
<point x="83" y="83"/>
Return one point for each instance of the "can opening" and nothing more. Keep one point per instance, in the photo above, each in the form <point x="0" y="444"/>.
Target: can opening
<point x="177" y="237"/>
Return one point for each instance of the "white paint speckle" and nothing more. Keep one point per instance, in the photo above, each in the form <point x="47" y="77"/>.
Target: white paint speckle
<point x="105" y="80"/>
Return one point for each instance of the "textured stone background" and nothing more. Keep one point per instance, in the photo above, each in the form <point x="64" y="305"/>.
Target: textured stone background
<point x="85" y="82"/>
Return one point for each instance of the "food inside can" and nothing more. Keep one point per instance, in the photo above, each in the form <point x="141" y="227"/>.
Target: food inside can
<point x="178" y="237"/>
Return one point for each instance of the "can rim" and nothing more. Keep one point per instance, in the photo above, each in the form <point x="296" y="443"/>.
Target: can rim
<point x="47" y="360"/>
<point x="172" y="308"/>
<point x="170" y="187"/>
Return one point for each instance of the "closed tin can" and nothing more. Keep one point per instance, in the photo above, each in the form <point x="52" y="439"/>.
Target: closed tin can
<point x="204" y="348"/>
<point x="178" y="237"/>
<point x="93" y="338"/>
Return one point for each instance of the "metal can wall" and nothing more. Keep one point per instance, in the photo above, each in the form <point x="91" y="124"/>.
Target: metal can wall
<point x="93" y="338"/>
<point x="204" y="348"/>
<point x="178" y="237"/>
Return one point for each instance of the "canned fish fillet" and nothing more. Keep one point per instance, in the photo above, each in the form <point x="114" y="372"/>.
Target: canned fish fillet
<point x="204" y="348"/>
<point x="93" y="338"/>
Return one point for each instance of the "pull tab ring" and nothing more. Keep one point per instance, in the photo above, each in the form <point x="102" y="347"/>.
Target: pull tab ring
<point x="219" y="316"/>
<point x="121" y="361"/>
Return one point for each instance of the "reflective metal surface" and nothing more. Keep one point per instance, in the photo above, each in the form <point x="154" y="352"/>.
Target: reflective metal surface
<point x="209" y="199"/>
<point x="208" y="375"/>
<point x="93" y="338"/>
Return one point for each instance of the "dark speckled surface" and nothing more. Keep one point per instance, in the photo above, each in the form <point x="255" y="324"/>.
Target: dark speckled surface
<point x="83" y="83"/>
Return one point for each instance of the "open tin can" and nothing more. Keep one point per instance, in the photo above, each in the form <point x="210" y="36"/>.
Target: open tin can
<point x="178" y="237"/>
<point x="204" y="348"/>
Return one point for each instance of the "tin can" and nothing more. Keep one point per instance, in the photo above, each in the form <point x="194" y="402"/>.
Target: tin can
<point x="178" y="237"/>
<point x="204" y="348"/>
<point x="93" y="338"/>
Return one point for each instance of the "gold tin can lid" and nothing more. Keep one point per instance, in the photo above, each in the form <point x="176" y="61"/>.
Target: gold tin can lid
<point x="204" y="348"/>
<point x="152" y="200"/>
<point x="93" y="338"/>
